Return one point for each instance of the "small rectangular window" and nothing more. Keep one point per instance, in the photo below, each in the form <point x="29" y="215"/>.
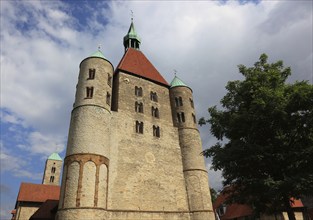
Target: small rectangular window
<point x="53" y="170"/>
<point x="138" y="91"/>
<point x="139" y="107"/>
<point x="156" y="131"/>
<point x="155" y="112"/>
<point x="154" y="96"/>
<point x="91" y="74"/>
<point x="194" y="118"/>
<point x="51" y="179"/>
<point x="139" y="127"/>
<point x="89" y="92"/>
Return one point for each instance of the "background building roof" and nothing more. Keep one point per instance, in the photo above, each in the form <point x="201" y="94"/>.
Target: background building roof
<point x="30" y="192"/>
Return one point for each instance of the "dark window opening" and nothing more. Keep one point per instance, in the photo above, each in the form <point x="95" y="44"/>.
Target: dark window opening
<point x="139" y="127"/>
<point x="92" y="73"/>
<point x="138" y="91"/>
<point x="194" y="118"/>
<point x="156" y="131"/>
<point x="155" y="112"/>
<point x="178" y="101"/>
<point x="109" y="80"/>
<point x="89" y="92"/>
<point x="51" y="179"/>
<point x="139" y="107"/>
<point x="108" y="98"/>
<point x="154" y="96"/>
<point x="191" y="103"/>
<point x="53" y="170"/>
<point x="180" y="117"/>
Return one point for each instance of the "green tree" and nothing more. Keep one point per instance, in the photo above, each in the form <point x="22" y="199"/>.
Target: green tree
<point x="265" y="137"/>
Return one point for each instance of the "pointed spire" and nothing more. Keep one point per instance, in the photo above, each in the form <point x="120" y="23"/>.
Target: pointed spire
<point x="54" y="156"/>
<point x="132" y="40"/>
<point x="177" y="82"/>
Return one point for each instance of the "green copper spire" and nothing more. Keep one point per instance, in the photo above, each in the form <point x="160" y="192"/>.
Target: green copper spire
<point x="54" y="156"/>
<point x="98" y="53"/>
<point x="132" y="39"/>
<point x="177" y="82"/>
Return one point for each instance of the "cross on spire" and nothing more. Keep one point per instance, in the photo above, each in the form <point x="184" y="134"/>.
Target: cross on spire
<point x="132" y="15"/>
<point x="175" y="71"/>
<point x="99" y="46"/>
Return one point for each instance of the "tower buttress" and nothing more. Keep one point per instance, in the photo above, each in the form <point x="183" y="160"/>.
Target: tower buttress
<point x="85" y="176"/>
<point x="195" y="173"/>
<point x="52" y="171"/>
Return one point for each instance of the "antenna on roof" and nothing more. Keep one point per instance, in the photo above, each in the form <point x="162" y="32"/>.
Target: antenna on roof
<point x="132" y="15"/>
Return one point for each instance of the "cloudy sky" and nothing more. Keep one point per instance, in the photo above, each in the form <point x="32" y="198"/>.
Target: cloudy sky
<point x="43" y="42"/>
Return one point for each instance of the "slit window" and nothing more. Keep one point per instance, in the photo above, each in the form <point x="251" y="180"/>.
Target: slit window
<point x="91" y="73"/>
<point x="154" y="96"/>
<point x="191" y="103"/>
<point x="194" y="118"/>
<point x="89" y="92"/>
<point x="139" y="107"/>
<point x="109" y="80"/>
<point x="53" y="170"/>
<point x="51" y="179"/>
<point x="180" y="117"/>
<point x="155" y="112"/>
<point x="138" y="91"/>
<point x="139" y="127"/>
<point x="108" y="98"/>
<point x="156" y="131"/>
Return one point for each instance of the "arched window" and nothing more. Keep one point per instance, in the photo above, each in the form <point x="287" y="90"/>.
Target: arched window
<point x="139" y="107"/>
<point x="154" y="96"/>
<point x="155" y="112"/>
<point x="138" y="91"/>
<point x="156" y="131"/>
<point x="53" y="170"/>
<point x="139" y="127"/>
<point x="51" y="179"/>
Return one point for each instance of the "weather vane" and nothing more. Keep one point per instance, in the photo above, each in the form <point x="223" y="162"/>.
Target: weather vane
<point x="132" y="14"/>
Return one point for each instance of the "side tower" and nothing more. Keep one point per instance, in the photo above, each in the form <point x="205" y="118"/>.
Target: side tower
<point x="85" y="173"/>
<point x="196" y="176"/>
<point x="52" y="171"/>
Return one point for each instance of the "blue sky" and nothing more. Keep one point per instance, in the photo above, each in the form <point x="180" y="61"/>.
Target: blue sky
<point x="43" y="42"/>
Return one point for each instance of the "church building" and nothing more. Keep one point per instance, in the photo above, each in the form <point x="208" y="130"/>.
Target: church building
<point x="134" y="149"/>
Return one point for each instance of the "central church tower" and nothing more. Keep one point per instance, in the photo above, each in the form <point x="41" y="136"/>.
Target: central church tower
<point x="133" y="147"/>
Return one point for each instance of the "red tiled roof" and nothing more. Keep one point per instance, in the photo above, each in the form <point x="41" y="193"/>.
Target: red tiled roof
<point x="135" y="62"/>
<point x="296" y="203"/>
<point x="31" y="192"/>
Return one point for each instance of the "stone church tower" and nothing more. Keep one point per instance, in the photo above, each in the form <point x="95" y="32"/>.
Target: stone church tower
<point x="133" y="147"/>
<point x="53" y="169"/>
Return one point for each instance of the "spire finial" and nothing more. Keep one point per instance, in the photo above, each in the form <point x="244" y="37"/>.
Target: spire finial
<point x="132" y="15"/>
<point x="99" y="47"/>
<point x="175" y="72"/>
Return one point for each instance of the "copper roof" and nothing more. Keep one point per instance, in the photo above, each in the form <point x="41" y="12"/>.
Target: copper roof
<point x="135" y="62"/>
<point x="30" y="192"/>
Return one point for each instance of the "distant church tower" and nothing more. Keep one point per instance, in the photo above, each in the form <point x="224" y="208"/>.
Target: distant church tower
<point x="53" y="169"/>
<point x="133" y="149"/>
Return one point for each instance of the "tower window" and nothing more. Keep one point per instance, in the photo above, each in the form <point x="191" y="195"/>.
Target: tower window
<point x="53" y="170"/>
<point x="180" y="117"/>
<point x="92" y="73"/>
<point x="139" y="127"/>
<point x="89" y="92"/>
<point x="108" y="98"/>
<point x="194" y="118"/>
<point x="155" y="112"/>
<point x="154" y="96"/>
<point x="139" y="107"/>
<point x="191" y="103"/>
<point x="109" y="80"/>
<point x="156" y="131"/>
<point x="51" y="179"/>
<point x="178" y="101"/>
<point x="138" y="91"/>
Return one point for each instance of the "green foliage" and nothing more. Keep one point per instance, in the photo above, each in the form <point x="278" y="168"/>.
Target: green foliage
<point x="265" y="136"/>
<point x="214" y="194"/>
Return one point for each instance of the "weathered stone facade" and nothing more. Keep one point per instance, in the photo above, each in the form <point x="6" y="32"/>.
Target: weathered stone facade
<point x="128" y="156"/>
